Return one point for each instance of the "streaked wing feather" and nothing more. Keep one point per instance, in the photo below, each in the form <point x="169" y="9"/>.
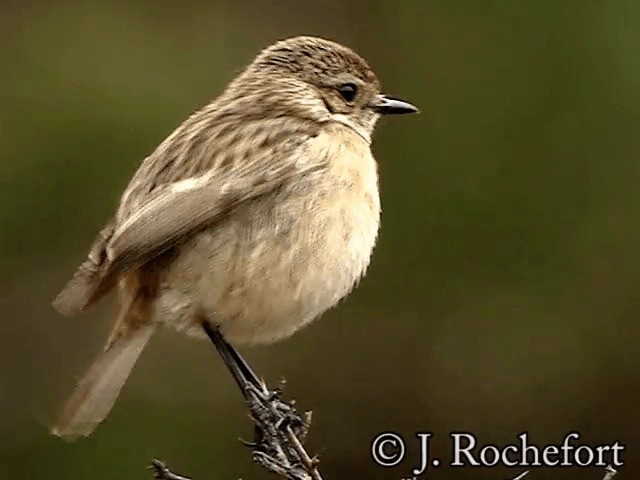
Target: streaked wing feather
<point x="173" y="210"/>
<point x="175" y="214"/>
<point x="189" y="183"/>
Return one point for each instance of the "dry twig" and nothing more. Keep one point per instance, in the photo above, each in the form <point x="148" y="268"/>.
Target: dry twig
<point x="278" y="443"/>
<point x="610" y="473"/>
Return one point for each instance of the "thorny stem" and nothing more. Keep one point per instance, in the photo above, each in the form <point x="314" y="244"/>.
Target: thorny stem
<point x="163" y="473"/>
<point x="611" y="472"/>
<point x="279" y="430"/>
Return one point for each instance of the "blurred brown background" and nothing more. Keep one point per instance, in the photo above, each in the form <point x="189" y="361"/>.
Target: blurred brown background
<point x="503" y="295"/>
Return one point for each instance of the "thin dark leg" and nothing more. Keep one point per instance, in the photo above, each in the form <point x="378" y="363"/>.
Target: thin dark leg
<point x="241" y="371"/>
<point x="279" y="430"/>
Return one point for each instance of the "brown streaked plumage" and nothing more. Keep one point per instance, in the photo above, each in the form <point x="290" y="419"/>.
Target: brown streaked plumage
<point x="259" y="213"/>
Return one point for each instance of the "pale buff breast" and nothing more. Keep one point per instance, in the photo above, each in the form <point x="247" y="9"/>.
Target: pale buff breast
<point x="279" y="262"/>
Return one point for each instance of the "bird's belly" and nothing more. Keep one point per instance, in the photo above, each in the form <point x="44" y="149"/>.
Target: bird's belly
<point x="273" y="267"/>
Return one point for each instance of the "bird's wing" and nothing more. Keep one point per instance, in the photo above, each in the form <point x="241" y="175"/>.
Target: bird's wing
<point x="188" y="206"/>
<point x="163" y="206"/>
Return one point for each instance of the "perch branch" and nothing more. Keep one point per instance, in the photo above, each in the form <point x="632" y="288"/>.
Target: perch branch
<point x="163" y="473"/>
<point x="610" y="473"/>
<point x="279" y="431"/>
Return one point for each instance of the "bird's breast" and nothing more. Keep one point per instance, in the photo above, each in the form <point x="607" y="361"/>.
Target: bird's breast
<point x="281" y="261"/>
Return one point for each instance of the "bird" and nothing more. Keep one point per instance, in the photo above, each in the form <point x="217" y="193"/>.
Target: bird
<point x="257" y="214"/>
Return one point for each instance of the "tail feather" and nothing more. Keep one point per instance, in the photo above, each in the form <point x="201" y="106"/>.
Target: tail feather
<point x="94" y="278"/>
<point x="80" y="291"/>
<point x="98" y="390"/>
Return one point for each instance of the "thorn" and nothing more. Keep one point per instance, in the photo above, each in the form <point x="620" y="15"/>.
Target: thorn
<point x="247" y="443"/>
<point x="611" y="472"/>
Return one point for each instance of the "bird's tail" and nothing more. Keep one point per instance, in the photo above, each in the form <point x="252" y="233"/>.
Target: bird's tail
<point x="98" y="389"/>
<point x="93" y="278"/>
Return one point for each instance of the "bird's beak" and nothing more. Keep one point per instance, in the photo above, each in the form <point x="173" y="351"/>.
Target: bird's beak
<point x="386" y="105"/>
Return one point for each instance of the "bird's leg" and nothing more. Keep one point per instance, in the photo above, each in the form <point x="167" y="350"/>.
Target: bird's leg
<point x="279" y="430"/>
<point x="240" y="370"/>
<point x="254" y="390"/>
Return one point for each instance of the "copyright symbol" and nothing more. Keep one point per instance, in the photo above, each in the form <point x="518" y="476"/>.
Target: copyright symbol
<point x="388" y="449"/>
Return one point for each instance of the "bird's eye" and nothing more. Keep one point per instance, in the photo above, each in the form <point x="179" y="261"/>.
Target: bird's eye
<point x="348" y="91"/>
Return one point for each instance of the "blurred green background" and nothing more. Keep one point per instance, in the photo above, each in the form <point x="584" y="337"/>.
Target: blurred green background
<point x="503" y="295"/>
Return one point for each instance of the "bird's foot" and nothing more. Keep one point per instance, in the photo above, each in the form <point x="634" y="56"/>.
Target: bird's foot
<point x="279" y="432"/>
